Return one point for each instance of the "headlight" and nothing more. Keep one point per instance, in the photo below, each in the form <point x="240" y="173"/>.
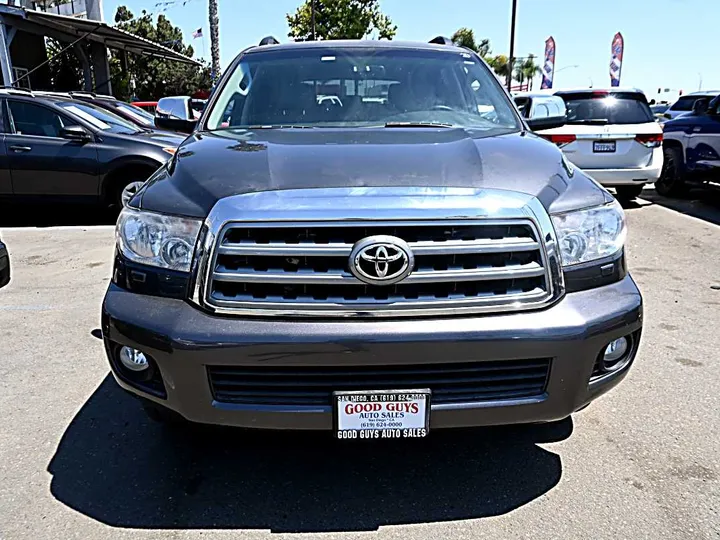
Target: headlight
<point x="156" y="239"/>
<point x="593" y="233"/>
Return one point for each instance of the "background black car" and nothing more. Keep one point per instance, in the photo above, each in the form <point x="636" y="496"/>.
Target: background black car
<point x="136" y="115"/>
<point x="58" y="146"/>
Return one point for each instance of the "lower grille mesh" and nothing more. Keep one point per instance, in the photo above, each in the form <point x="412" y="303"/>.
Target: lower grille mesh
<point x="313" y="385"/>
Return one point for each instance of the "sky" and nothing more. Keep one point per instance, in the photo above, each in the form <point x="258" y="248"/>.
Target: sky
<point x="668" y="43"/>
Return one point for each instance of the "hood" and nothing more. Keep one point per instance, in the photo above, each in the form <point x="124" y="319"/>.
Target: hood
<point x="212" y="166"/>
<point x="157" y="138"/>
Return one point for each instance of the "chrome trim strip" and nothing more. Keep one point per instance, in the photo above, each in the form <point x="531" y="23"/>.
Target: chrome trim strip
<point x="309" y="249"/>
<point x="404" y="308"/>
<point x="344" y="207"/>
<point x="345" y="278"/>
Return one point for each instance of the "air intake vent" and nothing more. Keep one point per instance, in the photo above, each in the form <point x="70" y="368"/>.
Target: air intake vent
<point x="313" y="386"/>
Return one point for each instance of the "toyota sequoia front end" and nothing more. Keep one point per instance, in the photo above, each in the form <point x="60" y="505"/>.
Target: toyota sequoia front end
<point x="365" y="237"/>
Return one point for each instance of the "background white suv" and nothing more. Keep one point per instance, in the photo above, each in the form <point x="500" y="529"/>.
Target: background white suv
<point x="611" y="135"/>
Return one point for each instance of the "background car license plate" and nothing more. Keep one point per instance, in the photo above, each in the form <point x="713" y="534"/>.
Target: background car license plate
<point x="603" y="146"/>
<point x="382" y="414"/>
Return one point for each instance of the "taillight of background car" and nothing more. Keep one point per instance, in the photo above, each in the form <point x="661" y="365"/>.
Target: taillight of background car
<point x="651" y="140"/>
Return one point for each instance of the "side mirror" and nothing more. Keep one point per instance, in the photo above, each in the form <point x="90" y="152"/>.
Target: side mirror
<point x="75" y="133"/>
<point x="174" y="124"/>
<point x="4" y="266"/>
<point x="548" y="122"/>
<point x="546" y="112"/>
<point x="176" y="114"/>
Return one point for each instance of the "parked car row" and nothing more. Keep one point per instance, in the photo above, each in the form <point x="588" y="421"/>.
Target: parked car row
<point x="77" y="146"/>
<point x="610" y="134"/>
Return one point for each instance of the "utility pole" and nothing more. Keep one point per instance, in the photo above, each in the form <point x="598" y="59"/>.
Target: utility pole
<point x="512" y="45"/>
<point x="312" y="14"/>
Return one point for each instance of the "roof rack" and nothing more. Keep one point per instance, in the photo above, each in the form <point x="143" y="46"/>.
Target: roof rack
<point x="82" y="93"/>
<point x="269" y="40"/>
<point x="91" y="95"/>
<point x="52" y="93"/>
<point x="441" y="40"/>
<point x="16" y="90"/>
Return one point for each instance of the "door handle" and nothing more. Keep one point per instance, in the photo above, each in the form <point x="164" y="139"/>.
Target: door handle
<point x="17" y="148"/>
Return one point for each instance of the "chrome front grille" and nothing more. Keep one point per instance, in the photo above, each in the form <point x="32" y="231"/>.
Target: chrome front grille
<point x="302" y="268"/>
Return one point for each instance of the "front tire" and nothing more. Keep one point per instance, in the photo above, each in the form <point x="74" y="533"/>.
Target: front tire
<point x="672" y="178"/>
<point x="628" y="193"/>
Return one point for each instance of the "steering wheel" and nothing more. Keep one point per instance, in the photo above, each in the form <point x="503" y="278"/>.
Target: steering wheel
<point x="441" y="108"/>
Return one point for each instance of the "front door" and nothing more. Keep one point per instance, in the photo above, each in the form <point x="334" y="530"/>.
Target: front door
<point x="703" y="143"/>
<point x="41" y="161"/>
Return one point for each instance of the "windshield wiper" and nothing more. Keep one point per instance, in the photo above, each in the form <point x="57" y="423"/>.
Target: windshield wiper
<point x="417" y="124"/>
<point x="591" y="121"/>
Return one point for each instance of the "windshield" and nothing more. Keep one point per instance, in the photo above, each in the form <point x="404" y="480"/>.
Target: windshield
<point x="607" y="108"/>
<point x="99" y="118"/>
<point x="139" y="115"/>
<point x="685" y="103"/>
<point x="362" y="87"/>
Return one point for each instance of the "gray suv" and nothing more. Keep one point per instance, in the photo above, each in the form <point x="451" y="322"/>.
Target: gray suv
<point x="401" y="256"/>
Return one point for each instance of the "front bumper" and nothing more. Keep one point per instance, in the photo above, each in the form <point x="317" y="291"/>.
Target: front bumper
<point x="183" y="340"/>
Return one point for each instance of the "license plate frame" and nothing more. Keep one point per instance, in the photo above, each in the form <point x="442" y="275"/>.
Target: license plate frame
<point x="390" y="429"/>
<point x="604" y="147"/>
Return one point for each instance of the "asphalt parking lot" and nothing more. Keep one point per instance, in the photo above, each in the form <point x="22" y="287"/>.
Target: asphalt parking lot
<point x="79" y="459"/>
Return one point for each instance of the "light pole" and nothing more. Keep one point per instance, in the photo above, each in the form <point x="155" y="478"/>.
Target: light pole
<point x="567" y="67"/>
<point x="512" y="45"/>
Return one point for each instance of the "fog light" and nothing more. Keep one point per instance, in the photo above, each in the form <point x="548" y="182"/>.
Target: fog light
<point x="133" y="359"/>
<point x="615" y="351"/>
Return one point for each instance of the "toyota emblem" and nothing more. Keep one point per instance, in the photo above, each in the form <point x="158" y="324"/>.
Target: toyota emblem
<point x="381" y="260"/>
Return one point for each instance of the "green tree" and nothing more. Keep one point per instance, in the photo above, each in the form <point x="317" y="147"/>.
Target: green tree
<point x="65" y="70"/>
<point x="530" y="69"/>
<point x="465" y="37"/>
<point x="340" y="19"/>
<point x="499" y="64"/>
<point x="149" y="78"/>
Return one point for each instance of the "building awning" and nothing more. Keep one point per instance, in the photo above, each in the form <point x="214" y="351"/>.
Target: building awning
<point x="66" y="29"/>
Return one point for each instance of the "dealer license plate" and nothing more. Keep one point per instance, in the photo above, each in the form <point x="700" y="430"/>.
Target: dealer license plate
<point x="382" y="414"/>
<point x="603" y="147"/>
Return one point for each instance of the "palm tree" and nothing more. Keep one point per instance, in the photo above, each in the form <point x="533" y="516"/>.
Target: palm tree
<point x="519" y="74"/>
<point x="529" y="69"/>
<point x="214" y="38"/>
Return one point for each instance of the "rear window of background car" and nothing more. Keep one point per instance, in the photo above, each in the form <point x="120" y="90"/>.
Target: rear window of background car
<point x="610" y="108"/>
